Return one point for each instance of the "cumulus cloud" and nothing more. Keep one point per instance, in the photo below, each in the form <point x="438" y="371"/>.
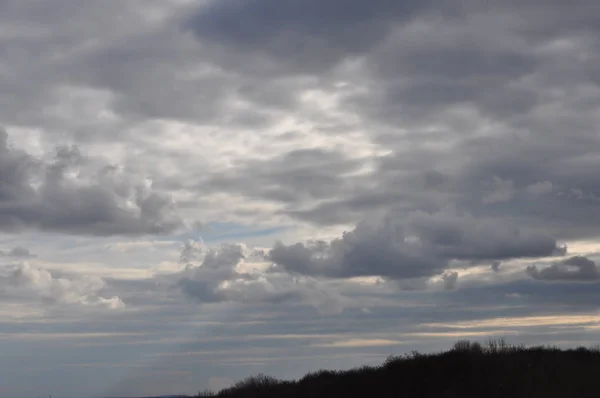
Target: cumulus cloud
<point x="218" y="265"/>
<point x="576" y="268"/>
<point x="420" y="245"/>
<point x="27" y="282"/>
<point x="218" y="278"/>
<point x="450" y="280"/>
<point x="192" y="251"/>
<point x="71" y="193"/>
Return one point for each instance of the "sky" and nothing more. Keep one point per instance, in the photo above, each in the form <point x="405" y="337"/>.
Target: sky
<point x="193" y="192"/>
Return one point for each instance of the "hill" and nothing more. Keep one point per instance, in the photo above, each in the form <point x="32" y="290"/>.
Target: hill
<point x="468" y="370"/>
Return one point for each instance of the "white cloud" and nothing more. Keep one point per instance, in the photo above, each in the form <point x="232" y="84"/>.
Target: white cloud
<point x="27" y="282"/>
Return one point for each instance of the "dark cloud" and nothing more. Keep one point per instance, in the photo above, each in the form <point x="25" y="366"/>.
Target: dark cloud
<point x="202" y="291"/>
<point x="486" y="94"/>
<point x="70" y="194"/>
<point x="136" y="68"/>
<point x="450" y="280"/>
<point x="420" y="245"/>
<point x="419" y="57"/>
<point x="573" y="269"/>
<point x="525" y="297"/>
<point x="490" y="97"/>
<point x="326" y="32"/>
<point x="542" y="178"/>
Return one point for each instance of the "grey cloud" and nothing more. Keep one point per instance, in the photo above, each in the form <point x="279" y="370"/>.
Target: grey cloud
<point x="487" y="60"/>
<point x="558" y="160"/>
<point x="573" y="269"/>
<point x="327" y="31"/>
<point x="447" y="64"/>
<point x="545" y="19"/>
<point x="468" y="238"/>
<point x="501" y="191"/>
<point x="204" y="292"/>
<point x="540" y="188"/>
<point x="419" y="245"/>
<point x="541" y="178"/>
<point x="465" y="42"/>
<point x="215" y="279"/>
<point x="496" y="266"/>
<point x="191" y="251"/>
<point x="460" y="72"/>
<point x="435" y="39"/>
<point x="100" y="200"/>
<point x="18" y="252"/>
<point x="217" y="265"/>
<point x="269" y="290"/>
<point x="137" y="68"/>
<point x="450" y="280"/>
<point x="531" y="153"/>
<point x="539" y="296"/>
<point x="508" y="145"/>
<point x="294" y="178"/>
<point x="491" y="108"/>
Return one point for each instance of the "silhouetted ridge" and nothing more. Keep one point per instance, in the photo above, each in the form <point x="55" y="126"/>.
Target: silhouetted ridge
<point x="468" y="370"/>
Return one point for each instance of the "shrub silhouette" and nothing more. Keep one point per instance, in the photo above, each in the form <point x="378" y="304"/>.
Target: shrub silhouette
<point x="469" y="369"/>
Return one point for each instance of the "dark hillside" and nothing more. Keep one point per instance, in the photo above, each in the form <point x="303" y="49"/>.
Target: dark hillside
<point x="468" y="370"/>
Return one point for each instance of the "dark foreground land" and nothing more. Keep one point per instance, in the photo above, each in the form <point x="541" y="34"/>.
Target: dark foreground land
<point x="468" y="370"/>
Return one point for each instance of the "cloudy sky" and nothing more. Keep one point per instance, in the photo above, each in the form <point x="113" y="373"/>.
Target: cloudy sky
<point x="192" y="192"/>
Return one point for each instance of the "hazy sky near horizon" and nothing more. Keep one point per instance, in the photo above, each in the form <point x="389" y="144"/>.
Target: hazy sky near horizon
<point x="192" y="192"/>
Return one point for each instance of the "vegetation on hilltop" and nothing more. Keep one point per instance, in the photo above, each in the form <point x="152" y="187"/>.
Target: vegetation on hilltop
<point x="470" y="369"/>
